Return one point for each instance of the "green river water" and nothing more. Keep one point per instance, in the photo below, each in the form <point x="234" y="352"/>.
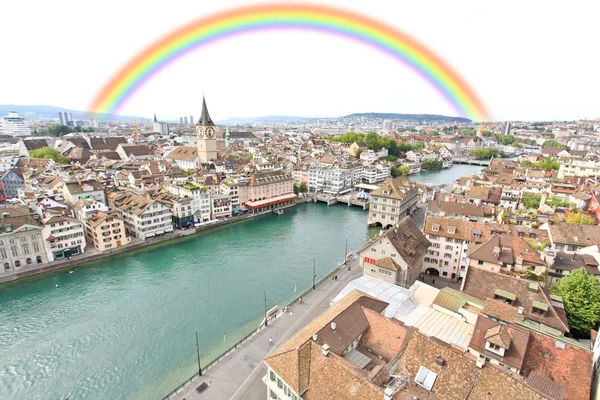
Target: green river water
<point x="124" y="327"/>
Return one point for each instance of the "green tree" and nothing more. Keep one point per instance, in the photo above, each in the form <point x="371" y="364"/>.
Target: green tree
<point x="404" y="170"/>
<point x="434" y="133"/>
<point x="549" y="164"/>
<point x="531" y="200"/>
<point x="431" y="164"/>
<point x="580" y="292"/>
<point x="296" y="189"/>
<point x="484" y="154"/>
<point x="373" y="141"/>
<point x="557" y="201"/>
<point x="249" y="157"/>
<point x="389" y="158"/>
<point x="49" y="153"/>
<point x="552" y="144"/>
<point x="302" y="187"/>
<point x="580" y="219"/>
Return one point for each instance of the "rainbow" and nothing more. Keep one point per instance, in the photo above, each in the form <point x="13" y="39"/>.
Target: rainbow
<point x="201" y="32"/>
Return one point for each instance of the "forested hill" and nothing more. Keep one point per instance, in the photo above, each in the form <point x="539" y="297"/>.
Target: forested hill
<point x="410" y="117"/>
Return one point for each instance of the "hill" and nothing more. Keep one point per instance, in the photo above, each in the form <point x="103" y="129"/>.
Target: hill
<point x="45" y="112"/>
<point x="410" y="117"/>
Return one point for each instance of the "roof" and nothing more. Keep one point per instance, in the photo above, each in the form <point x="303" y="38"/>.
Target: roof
<point x="513" y="340"/>
<point x="483" y="284"/>
<point x="80" y="187"/>
<point x="268" y="177"/>
<point x="453" y="300"/>
<point x="448" y="207"/>
<point x="569" y="262"/>
<point x="204" y="116"/>
<point x="388" y="263"/>
<point x="567" y="365"/>
<point x="501" y="310"/>
<point x="184" y="153"/>
<point x="294" y="360"/>
<point x="576" y="235"/>
<point x="458" y="378"/>
<point x="408" y="240"/>
<point x="136" y="149"/>
<point x="510" y="248"/>
<point x="106" y="143"/>
<point x="552" y="390"/>
<point x="397" y="188"/>
<point x="34" y="144"/>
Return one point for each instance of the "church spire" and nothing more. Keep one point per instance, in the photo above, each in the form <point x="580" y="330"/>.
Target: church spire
<point x="155" y="118"/>
<point x="227" y="136"/>
<point x="204" y="117"/>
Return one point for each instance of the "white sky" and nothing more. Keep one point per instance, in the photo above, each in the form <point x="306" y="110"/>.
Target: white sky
<point x="528" y="60"/>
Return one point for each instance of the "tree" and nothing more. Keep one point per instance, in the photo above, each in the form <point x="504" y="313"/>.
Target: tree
<point x="49" y="153"/>
<point x="404" y="170"/>
<point x="484" y="154"/>
<point x="373" y="141"/>
<point x="389" y="158"/>
<point x="531" y="200"/>
<point x="302" y="187"/>
<point x="296" y="189"/>
<point x="580" y="219"/>
<point x="549" y="164"/>
<point x="580" y="292"/>
<point x="249" y="157"/>
<point x="431" y="163"/>
<point x="552" y="144"/>
<point x="434" y="133"/>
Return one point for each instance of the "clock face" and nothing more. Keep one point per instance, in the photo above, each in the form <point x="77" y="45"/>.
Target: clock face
<point x="210" y="133"/>
<point x="199" y="133"/>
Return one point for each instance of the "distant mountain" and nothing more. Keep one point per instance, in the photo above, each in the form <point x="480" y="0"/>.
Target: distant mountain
<point x="268" y="118"/>
<point x="410" y="117"/>
<point x="44" y="112"/>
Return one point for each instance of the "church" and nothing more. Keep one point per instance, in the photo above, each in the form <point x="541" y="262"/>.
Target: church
<point x="205" y="132"/>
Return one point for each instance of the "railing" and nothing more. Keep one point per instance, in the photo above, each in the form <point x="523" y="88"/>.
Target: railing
<point x="245" y="339"/>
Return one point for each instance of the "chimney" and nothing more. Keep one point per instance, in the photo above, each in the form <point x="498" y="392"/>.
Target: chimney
<point x="333" y="326"/>
<point x="520" y="310"/>
<point x="480" y="362"/>
<point x="388" y="393"/>
<point x="315" y="337"/>
<point x="439" y="361"/>
<point x="325" y="350"/>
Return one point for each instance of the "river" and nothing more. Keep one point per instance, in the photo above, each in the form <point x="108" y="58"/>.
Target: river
<point x="445" y="176"/>
<point x="124" y="327"/>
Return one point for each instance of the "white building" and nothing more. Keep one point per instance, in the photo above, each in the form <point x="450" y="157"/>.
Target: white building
<point x="13" y="125"/>
<point x="90" y="189"/>
<point x="144" y="218"/>
<point x="330" y="180"/>
<point x="200" y="200"/>
<point x="371" y="156"/>
<point x="377" y="173"/>
<point x="21" y="243"/>
<point x="64" y="237"/>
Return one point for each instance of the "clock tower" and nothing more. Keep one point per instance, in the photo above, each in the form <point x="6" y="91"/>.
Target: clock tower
<point x="205" y="132"/>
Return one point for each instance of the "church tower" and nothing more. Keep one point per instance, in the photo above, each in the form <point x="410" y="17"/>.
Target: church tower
<point x="205" y="131"/>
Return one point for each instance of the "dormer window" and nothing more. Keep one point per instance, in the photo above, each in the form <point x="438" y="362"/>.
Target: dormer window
<point x="539" y="308"/>
<point x="476" y="233"/>
<point x="452" y="229"/>
<point x="505" y="296"/>
<point x="435" y="227"/>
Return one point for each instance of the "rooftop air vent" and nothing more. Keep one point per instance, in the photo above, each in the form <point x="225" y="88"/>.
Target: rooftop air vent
<point x="440" y="361"/>
<point x="325" y="350"/>
<point x="315" y="337"/>
<point x="333" y="326"/>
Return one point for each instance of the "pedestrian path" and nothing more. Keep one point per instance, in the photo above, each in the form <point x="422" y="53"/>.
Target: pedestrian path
<point x="239" y="375"/>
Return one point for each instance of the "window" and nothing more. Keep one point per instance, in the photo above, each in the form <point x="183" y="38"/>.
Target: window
<point x="38" y="259"/>
<point x="444" y="274"/>
<point x="273" y="396"/>
<point x="373" y="249"/>
<point x="494" y="347"/>
<point x="436" y="245"/>
<point x="385" y="272"/>
<point x="425" y="378"/>
<point x="479" y="262"/>
<point x="15" y="252"/>
<point x="272" y="376"/>
<point x="393" y="255"/>
<point x="279" y="383"/>
<point x="383" y="252"/>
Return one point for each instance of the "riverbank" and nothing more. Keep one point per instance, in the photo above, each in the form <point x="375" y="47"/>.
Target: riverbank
<point x="94" y="255"/>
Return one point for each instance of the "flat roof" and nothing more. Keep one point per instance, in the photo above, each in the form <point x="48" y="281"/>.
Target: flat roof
<point x="367" y="186"/>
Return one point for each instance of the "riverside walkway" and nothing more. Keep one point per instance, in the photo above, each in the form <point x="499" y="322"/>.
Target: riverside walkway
<point x="239" y="376"/>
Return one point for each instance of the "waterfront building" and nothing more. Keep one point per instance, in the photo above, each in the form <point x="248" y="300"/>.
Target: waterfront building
<point x="64" y="237"/>
<point x="86" y="208"/>
<point x="268" y="189"/>
<point x="395" y="199"/>
<point x="205" y="132"/>
<point x="231" y="188"/>
<point x="186" y="157"/>
<point x="160" y="127"/>
<point x="301" y="174"/>
<point x="221" y="206"/>
<point x="12" y="181"/>
<point x="21" y="243"/>
<point x="144" y="218"/>
<point x="200" y="199"/>
<point x="330" y="180"/>
<point x="396" y="256"/>
<point x="13" y="125"/>
<point x="371" y="156"/>
<point x="376" y="173"/>
<point x="181" y="209"/>
<point x="77" y="190"/>
<point x="106" y="230"/>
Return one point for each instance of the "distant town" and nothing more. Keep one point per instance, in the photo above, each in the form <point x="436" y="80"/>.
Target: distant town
<point x="487" y="287"/>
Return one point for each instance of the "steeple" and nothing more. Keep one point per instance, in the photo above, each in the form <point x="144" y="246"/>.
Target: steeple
<point x="155" y="118"/>
<point x="227" y="136"/>
<point x="204" y="117"/>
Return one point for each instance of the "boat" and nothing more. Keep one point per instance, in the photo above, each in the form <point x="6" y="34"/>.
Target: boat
<point x="278" y="211"/>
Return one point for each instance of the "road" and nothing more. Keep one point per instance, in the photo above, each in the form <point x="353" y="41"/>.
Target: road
<point x="239" y="376"/>
<point x="419" y="215"/>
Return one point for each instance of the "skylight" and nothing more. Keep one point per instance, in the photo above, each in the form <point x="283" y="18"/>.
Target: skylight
<point x="425" y="378"/>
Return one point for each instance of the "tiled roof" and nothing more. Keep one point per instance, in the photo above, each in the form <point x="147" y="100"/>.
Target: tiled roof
<point x="388" y="263"/>
<point x="408" y="240"/>
<point x="184" y="153"/>
<point x="510" y="248"/>
<point x="552" y="390"/>
<point x="514" y="340"/>
<point x="570" y="366"/>
<point x="77" y="188"/>
<point x="268" y="177"/>
<point x="437" y="206"/>
<point x="576" y="235"/>
<point x="482" y="284"/>
<point x="501" y="310"/>
<point x="397" y="188"/>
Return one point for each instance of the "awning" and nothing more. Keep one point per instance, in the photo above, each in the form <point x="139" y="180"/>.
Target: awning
<point x="269" y="202"/>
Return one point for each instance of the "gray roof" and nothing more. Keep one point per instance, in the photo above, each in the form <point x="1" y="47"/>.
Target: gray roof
<point x="204" y="117"/>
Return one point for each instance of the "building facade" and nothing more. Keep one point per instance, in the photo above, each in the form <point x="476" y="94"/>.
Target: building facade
<point x="21" y="242"/>
<point x="64" y="237"/>
<point x="144" y="218"/>
<point x="106" y="230"/>
<point x="13" y="125"/>
<point x="395" y="199"/>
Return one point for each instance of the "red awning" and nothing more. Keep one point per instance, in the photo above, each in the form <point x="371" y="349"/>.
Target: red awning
<point x="254" y="205"/>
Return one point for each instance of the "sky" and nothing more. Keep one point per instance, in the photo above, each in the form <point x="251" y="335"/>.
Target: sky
<point x="527" y="60"/>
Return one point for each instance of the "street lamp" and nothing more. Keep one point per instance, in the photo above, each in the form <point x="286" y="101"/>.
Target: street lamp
<point x="346" y="253"/>
<point x="314" y="272"/>
<point x="198" y="353"/>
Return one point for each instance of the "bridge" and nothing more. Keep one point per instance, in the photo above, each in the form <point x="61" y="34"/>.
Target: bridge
<point x="349" y="199"/>
<point x="471" y="161"/>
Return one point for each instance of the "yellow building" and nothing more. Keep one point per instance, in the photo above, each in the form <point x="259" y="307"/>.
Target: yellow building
<point x="106" y="230"/>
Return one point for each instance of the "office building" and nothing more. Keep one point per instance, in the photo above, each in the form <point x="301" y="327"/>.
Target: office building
<point x="13" y="125"/>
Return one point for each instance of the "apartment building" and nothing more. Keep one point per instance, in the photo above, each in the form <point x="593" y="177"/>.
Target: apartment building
<point x="106" y="230"/>
<point x="231" y="188"/>
<point x="395" y="199"/>
<point x="144" y="218"/>
<point x="181" y="209"/>
<point x="200" y="199"/>
<point x="64" y="237"/>
<point x="506" y="252"/>
<point x="376" y="173"/>
<point x="221" y="206"/>
<point x="330" y="180"/>
<point x="21" y="242"/>
<point x="78" y="190"/>
<point x="580" y="168"/>
<point x="396" y="256"/>
<point x="12" y="181"/>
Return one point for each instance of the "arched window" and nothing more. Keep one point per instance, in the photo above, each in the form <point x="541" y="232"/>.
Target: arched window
<point x="6" y="266"/>
<point x="29" y="261"/>
<point x="39" y="259"/>
<point x="17" y="264"/>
